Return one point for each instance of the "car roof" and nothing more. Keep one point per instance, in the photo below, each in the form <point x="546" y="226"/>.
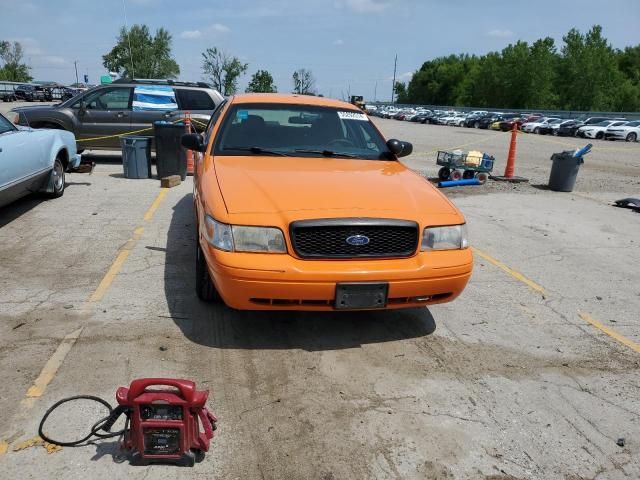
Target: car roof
<point x="293" y="98"/>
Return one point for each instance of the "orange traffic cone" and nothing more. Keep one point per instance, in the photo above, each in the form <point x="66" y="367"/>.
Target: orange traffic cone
<point x="511" y="161"/>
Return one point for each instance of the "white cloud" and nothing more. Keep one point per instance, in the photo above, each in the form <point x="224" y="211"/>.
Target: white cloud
<point x="219" y="28"/>
<point x="54" y="60"/>
<point x="401" y="77"/>
<point x="338" y="42"/>
<point x="30" y="46"/>
<point x="367" y="6"/>
<point x="190" y="34"/>
<point x="215" y="29"/>
<point x="500" y="33"/>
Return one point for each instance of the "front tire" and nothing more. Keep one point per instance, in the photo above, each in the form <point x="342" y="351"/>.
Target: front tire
<point x="205" y="289"/>
<point x="599" y="136"/>
<point x="632" y="137"/>
<point x="58" y="179"/>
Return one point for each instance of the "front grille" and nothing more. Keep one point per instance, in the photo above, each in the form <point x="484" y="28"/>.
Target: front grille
<point x="328" y="238"/>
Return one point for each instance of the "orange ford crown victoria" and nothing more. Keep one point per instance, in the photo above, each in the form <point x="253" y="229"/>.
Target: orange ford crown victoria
<point x="302" y="205"/>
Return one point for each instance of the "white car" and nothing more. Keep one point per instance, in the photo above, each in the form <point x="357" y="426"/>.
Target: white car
<point x="629" y="132"/>
<point x="534" y="127"/>
<point x="34" y="160"/>
<point x="456" y="119"/>
<point x="597" y="130"/>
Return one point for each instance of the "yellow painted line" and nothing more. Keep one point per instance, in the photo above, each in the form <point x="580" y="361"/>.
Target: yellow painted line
<point x="156" y="203"/>
<point x="50" y="368"/>
<point x="116" y="266"/>
<point x="612" y="333"/>
<point x="534" y="286"/>
<point x="124" y="252"/>
<point x="517" y="275"/>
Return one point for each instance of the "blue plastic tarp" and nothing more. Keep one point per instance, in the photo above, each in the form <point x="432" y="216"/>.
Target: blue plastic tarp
<point x="153" y="98"/>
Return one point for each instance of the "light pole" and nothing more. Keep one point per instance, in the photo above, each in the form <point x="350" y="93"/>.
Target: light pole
<point x="75" y="64"/>
<point x="393" y="87"/>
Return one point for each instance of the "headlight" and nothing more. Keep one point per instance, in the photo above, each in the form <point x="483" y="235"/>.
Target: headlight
<point x="243" y="239"/>
<point x="218" y="234"/>
<point x="258" y="239"/>
<point x="445" y="238"/>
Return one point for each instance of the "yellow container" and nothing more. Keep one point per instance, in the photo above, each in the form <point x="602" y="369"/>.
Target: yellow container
<point x="473" y="159"/>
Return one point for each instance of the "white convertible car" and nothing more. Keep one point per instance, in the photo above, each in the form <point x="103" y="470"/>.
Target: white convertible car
<point x="34" y="161"/>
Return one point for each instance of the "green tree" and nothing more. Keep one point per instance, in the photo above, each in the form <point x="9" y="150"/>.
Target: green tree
<point x="223" y="70"/>
<point x="13" y="70"/>
<point x="303" y="82"/>
<point x="400" y="89"/>
<point x="588" y="71"/>
<point x="139" y="54"/>
<point x="261" y="82"/>
<point x="543" y="65"/>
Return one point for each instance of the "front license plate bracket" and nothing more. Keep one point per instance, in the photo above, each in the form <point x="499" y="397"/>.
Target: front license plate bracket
<point x="361" y="295"/>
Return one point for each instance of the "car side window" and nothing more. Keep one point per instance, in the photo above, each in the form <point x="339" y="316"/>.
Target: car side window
<point x="109" y="99"/>
<point x="212" y="122"/>
<point x="191" y="100"/>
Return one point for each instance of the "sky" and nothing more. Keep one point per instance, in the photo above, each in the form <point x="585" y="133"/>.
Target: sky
<point x="349" y="45"/>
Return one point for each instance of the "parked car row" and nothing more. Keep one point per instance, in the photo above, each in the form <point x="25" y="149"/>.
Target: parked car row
<point x="592" y="127"/>
<point x="28" y="92"/>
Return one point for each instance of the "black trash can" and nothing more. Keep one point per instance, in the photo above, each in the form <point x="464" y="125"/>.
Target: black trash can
<point x="136" y="157"/>
<point x="564" y="171"/>
<point x="171" y="157"/>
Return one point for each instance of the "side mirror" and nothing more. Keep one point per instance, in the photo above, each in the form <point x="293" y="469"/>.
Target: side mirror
<point x="193" y="141"/>
<point x="399" y="148"/>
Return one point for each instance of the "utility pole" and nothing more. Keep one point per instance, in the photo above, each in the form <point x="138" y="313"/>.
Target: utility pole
<point x="393" y="87"/>
<point x="126" y="27"/>
<point x="75" y="64"/>
<point x="375" y="92"/>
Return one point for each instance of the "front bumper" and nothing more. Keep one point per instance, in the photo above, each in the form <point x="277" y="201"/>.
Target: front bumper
<point x="249" y="281"/>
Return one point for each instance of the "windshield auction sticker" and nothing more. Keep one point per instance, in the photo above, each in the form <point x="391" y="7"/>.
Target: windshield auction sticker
<point x="353" y="116"/>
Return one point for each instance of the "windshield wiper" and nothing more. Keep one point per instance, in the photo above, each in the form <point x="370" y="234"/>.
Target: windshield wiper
<point x="327" y="153"/>
<point x="258" y="150"/>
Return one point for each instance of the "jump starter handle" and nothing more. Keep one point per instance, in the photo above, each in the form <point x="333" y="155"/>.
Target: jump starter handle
<point x="208" y="421"/>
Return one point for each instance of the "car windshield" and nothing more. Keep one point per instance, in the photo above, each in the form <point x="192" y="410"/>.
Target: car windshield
<point x="606" y="123"/>
<point x="554" y="121"/>
<point x="633" y="124"/>
<point x="5" y="125"/>
<point x="300" y="130"/>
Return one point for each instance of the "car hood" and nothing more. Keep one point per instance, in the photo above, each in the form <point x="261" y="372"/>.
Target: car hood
<point x="32" y="108"/>
<point x="328" y="186"/>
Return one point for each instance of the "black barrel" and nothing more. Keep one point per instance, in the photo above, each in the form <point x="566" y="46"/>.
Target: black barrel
<point x="171" y="157"/>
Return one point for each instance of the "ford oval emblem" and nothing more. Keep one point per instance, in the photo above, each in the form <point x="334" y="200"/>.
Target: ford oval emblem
<point x="358" y="240"/>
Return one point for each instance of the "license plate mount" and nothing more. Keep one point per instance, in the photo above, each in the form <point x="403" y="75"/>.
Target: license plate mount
<point x="361" y="295"/>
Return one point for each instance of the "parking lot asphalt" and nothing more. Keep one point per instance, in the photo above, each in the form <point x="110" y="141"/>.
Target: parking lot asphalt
<point x="533" y="373"/>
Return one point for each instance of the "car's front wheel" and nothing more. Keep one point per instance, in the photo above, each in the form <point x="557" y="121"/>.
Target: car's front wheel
<point x="57" y="178"/>
<point x="205" y="289"/>
<point x="632" y="137"/>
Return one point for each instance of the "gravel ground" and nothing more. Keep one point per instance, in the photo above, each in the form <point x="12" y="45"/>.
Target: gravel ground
<point x="507" y="382"/>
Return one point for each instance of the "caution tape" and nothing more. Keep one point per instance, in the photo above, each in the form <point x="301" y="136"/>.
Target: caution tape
<point x="202" y="124"/>
<point x="122" y="134"/>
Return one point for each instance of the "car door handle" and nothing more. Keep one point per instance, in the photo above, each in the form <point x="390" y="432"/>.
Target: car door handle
<point x="168" y="115"/>
<point x="121" y="115"/>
